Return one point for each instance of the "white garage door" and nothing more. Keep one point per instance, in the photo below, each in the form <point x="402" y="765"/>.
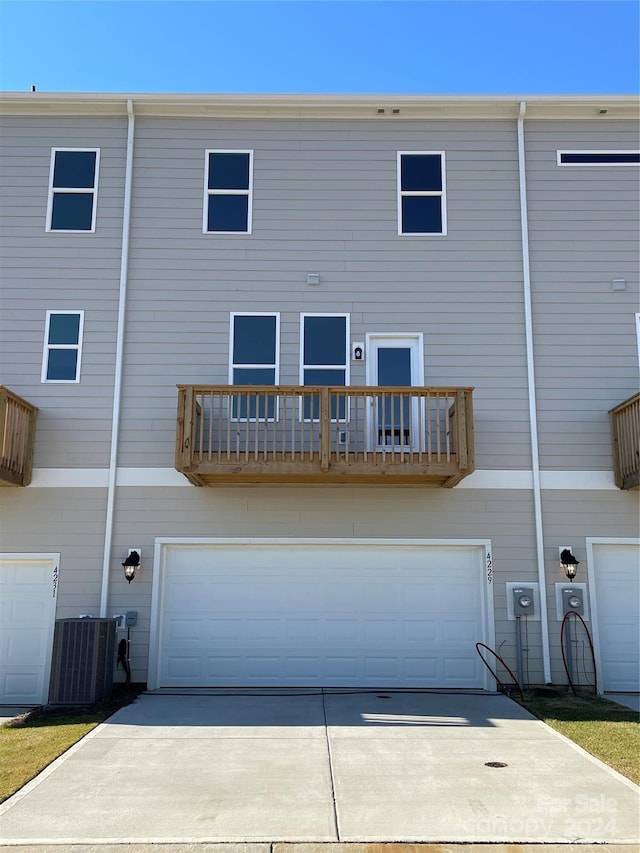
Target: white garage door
<point x="616" y="574"/>
<point x="330" y="615"/>
<point x="27" y="615"/>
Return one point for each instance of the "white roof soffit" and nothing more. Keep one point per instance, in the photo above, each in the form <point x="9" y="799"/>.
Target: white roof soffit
<point x="380" y="107"/>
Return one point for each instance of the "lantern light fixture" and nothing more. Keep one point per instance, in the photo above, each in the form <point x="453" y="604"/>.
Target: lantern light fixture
<point x="569" y="563"/>
<point x="131" y="563"/>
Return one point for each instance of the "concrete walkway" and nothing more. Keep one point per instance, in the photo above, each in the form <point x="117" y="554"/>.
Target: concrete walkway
<point x="322" y="766"/>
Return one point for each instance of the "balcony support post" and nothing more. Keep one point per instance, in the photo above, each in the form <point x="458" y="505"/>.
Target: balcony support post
<point x="461" y="429"/>
<point x="325" y="428"/>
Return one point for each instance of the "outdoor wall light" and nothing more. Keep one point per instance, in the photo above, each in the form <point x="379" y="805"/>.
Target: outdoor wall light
<point x="569" y="563"/>
<point x="130" y="565"/>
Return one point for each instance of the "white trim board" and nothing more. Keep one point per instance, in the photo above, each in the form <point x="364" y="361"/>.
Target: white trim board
<point x="520" y="479"/>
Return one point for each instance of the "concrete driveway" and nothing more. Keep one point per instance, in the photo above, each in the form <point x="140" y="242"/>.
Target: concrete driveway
<point x="323" y="766"/>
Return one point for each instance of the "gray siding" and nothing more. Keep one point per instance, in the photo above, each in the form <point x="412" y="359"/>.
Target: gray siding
<point x="42" y="271"/>
<point x="68" y="521"/>
<point x="325" y="201"/>
<point x="343" y="512"/>
<point x="584" y="226"/>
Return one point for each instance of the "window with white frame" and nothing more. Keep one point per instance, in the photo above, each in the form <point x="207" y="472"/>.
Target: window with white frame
<point x="254" y="350"/>
<point x="598" y="158"/>
<point x="422" y="193"/>
<point x="324" y="358"/>
<point x="73" y="189"/>
<point x="62" y="346"/>
<point x="228" y="193"/>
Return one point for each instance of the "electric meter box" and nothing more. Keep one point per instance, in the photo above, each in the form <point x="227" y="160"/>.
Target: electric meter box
<point x="573" y="600"/>
<point x="523" y="601"/>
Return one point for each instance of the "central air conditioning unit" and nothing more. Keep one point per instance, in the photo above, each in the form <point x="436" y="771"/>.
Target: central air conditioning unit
<point x="83" y="661"/>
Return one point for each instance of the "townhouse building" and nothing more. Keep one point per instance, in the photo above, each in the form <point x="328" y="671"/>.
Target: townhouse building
<point x="337" y="378"/>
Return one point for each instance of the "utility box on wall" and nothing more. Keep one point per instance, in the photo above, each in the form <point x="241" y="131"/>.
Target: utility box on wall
<point x="82" y="661"/>
<point x="523" y="601"/>
<point x="573" y="600"/>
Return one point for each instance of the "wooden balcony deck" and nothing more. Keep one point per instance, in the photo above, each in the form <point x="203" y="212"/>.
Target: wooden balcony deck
<point x="17" y="434"/>
<point x="625" y="434"/>
<point x="293" y="434"/>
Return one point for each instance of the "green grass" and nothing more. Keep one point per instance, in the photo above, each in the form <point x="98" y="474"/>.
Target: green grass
<point x="605" y="729"/>
<point x="30" y="743"/>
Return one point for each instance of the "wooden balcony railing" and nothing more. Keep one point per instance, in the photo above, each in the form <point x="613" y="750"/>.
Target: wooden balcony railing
<point x="625" y="433"/>
<point x="287" y="434"/>
<point x="17" y="434"/>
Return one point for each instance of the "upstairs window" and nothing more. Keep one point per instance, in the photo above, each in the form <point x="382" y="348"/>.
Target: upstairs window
<point x="421" y="193"/>
<point x="324" y="358"/>
<point x="62" y="346"/>
<point x="255" y="344"/>
<point x="228" y="192"/>
<point x="73" y="189"/>
<point x="598" y="158"/>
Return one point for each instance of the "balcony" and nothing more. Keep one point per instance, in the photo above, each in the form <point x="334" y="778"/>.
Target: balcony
<point x="625" y="433"/>
<point x="17" y="434"/>
<point x="235" y="434"/>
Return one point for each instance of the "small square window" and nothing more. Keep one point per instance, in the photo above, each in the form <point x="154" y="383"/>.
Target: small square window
<point x="62" y="346"/>
<point x="228" y="213"/>
<point x="421" y="193"/>
<point x="73" y="189"/>
<point x="228" y="192"/>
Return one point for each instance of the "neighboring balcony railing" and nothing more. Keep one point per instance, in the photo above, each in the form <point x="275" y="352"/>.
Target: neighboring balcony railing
<point x="17" y="434"/>
<point x="625" y="433"/>
<point x="287" y="434"/>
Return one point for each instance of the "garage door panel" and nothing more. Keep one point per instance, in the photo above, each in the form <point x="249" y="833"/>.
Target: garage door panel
<point x="341" y="669"/>
<point x="460" y="669"/>
<point x="616" y="578"/>
<point x="320" y="615"/>
<point x="308" y="668"/>
<point x="459" y="633"/>
<point x="181" y="668"/>
<point x="341" y="630"/>
<point x="303" y="630"/>
<point x="16" y="685"/>
<point x="24" y="646"/>
<point x="419" y="631"/>
<point x="421" y="669"/>
<point x="27" y="612"/>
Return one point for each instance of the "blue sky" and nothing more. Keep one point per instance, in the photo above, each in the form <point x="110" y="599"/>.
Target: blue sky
<point x="311" y="46"/>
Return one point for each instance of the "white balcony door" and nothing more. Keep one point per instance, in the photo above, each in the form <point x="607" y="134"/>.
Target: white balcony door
<point x="398" y="360"/>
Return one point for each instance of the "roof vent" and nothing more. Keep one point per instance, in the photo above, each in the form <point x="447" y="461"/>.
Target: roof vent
<point x="603" y="111"/>
<point x="380" y="111"/>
